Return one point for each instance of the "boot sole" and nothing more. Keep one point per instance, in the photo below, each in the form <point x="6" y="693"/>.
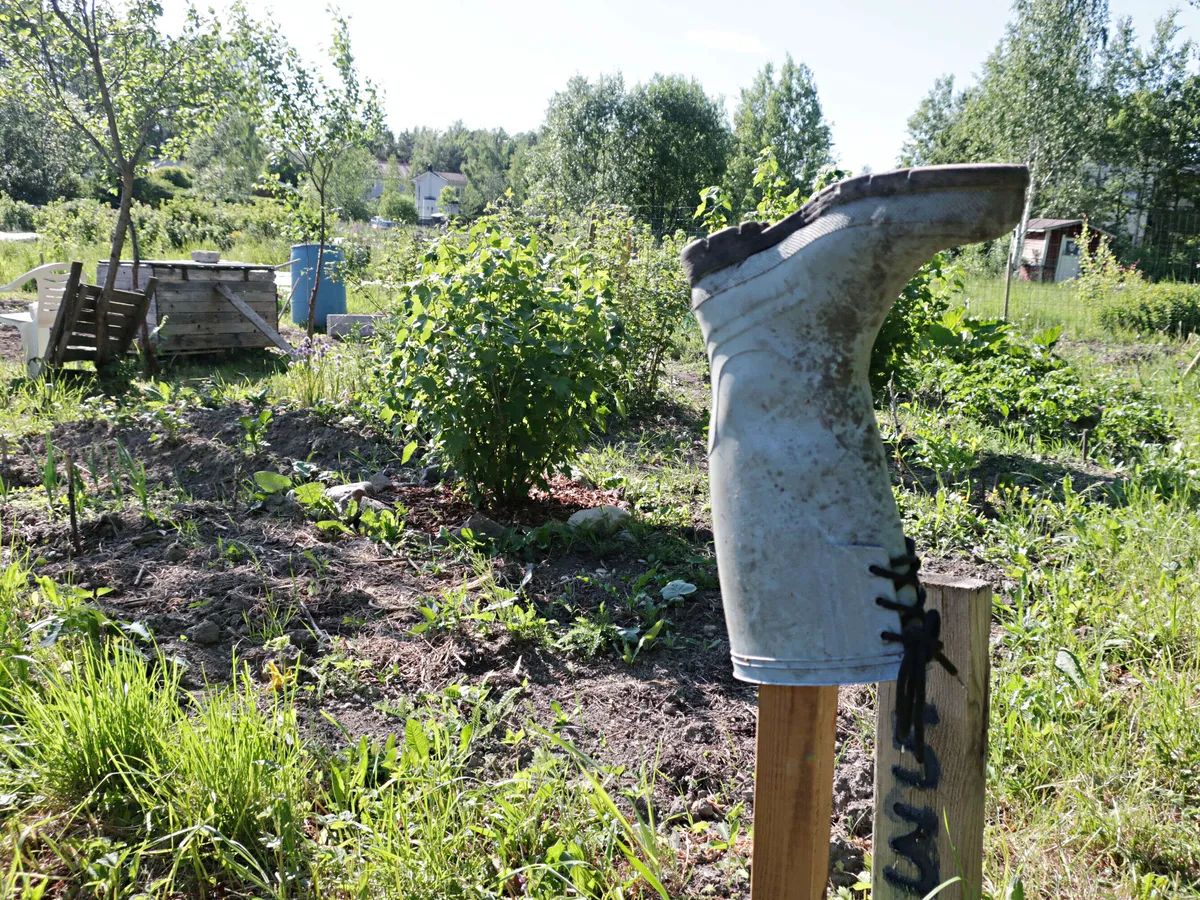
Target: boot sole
<point x="734" y="245"/>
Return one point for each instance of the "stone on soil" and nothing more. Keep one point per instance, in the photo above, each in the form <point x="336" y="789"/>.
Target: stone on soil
<point x="343" y="493"/>
<point x="482" y="526"/>
<point x="206" y="633"/>
<point x="605" y="517"/>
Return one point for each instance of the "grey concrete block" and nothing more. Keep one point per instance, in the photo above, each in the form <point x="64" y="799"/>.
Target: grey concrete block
<point x="346" y="325"/>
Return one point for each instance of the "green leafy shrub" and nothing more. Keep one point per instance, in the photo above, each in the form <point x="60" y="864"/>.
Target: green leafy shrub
<point x="650" y="293"/>
<point x="190" y="221"/>
<point x="15" y="215"/>
<point x="1101" y="274"/>
<point x="176" y="175"/>
<point x="153" y="190"/>
<point x="923" y="300"/>
<point x="985" y="370"/>
<point x="1165" y="307"/>
<point x="504" y="356"/>
<point x="398" y="207"/>
<point x="74" y="223"/>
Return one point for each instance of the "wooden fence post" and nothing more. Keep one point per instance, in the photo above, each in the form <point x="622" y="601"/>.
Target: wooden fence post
<point x="929" y="819"/>
<point x="793" y="792"/>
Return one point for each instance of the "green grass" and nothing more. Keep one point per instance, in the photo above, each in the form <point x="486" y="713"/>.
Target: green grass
<point x="140" y="788"/>
<point x="1033" y="305"/>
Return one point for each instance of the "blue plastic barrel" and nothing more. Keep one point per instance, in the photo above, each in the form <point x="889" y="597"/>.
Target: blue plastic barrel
<point x="331" y="296"/>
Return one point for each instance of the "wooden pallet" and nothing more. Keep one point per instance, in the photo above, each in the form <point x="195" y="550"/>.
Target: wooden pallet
<point x="89" y="329"/>
<point x="196" y="317"/>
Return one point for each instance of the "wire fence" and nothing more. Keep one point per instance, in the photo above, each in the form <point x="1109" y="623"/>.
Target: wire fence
<point x="1166" y="245"/>
<point x="1032" y="305"/>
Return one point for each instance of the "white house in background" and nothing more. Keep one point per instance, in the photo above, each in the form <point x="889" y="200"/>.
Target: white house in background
<point x="428" y="187"/>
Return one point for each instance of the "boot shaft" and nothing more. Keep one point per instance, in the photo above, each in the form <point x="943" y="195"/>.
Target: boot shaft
<point x="801" y="497"/>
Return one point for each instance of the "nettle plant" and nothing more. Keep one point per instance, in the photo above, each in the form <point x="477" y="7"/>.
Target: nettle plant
<point x="505" y="356"/>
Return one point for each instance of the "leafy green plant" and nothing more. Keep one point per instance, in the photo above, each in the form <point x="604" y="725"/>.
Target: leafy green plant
<point x="649" y="294"/>
<point x="15" y="215"/>
<point x="254" y="429"/>
<point x="164" y="410"/>
<point x="504" y="357"/>
<point x="134" y="471"/>
<point x="1165" y="308"/>
<point x="985" y="370"/>
<point x="50" y="479"/>
<point x="924" y="299"/>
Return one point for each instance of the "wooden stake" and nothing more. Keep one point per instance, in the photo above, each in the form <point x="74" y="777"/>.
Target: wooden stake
<point x="76" y="544"/>
<point x="913" y="850"/>
<point x="793" y="792"/>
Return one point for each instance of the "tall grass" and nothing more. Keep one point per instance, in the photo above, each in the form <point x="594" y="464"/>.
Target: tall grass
<point x="1033" y="305"/>
<point x="238" y="791"/>
<point x="96" y="726"/>
<point x="222" y="791"/>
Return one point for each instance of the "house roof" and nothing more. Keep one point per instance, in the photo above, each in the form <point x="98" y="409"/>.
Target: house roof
<point x="402" y="168"/>
<point x="454" y="177"/>
<point x="1047" y="225"/>
<point x="1051" y="224"/>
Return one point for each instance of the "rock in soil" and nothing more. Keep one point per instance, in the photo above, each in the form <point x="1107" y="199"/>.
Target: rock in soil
<point x="344" y="493"/>
<point x="705" y="810"/>
<point x="206" y="633"/>
<point x="482" y="526"/>
<point x="606" y="517"/>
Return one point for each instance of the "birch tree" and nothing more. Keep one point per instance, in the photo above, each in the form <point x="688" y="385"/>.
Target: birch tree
<point x="315" y="122"/>
<point x="114" y="79"/>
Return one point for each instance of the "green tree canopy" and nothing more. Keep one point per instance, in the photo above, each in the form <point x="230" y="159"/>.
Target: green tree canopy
<point x="652" y="148"/>
<point x="38" y="159"/>
<point x="108" y="75"/>
<point x="782" y="112"/>
<point x="319" y="125"/>
<point x="1109" y="128"/>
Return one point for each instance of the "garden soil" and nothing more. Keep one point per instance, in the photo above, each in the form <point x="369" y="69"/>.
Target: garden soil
<point x="208" y="577"/>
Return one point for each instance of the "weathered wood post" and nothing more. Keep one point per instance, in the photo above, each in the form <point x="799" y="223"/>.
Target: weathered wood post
<point x="793" y="797"/>
<point x="929" y="818"/>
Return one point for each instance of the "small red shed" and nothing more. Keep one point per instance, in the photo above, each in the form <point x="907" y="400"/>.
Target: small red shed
<point x="1051" y="251"/>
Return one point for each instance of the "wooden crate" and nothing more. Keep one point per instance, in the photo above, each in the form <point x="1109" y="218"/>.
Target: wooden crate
<point x="196" y="318"/>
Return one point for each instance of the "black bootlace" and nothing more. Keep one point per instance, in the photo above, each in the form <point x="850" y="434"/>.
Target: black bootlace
<point x="920" y="635"/>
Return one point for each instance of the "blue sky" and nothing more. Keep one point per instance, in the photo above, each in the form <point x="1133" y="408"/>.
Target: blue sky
<point x="497" y="64"/>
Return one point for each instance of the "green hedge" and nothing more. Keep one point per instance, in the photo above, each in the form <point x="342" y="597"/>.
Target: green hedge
<point x="177" y="224"/>
<point x="15" y="215"/>
<point x="1166" y="307"/>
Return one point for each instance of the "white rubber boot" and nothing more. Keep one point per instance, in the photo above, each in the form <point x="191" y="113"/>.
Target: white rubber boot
<point x="815" y="573"/>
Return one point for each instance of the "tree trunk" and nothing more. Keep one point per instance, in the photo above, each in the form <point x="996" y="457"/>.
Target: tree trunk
<point x="312" y="299"/>
<point x="1018" y="245"/>
<point x="114" y="263"/>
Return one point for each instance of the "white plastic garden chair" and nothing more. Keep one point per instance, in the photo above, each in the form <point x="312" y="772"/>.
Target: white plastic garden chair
<point x="35" y="324"/>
